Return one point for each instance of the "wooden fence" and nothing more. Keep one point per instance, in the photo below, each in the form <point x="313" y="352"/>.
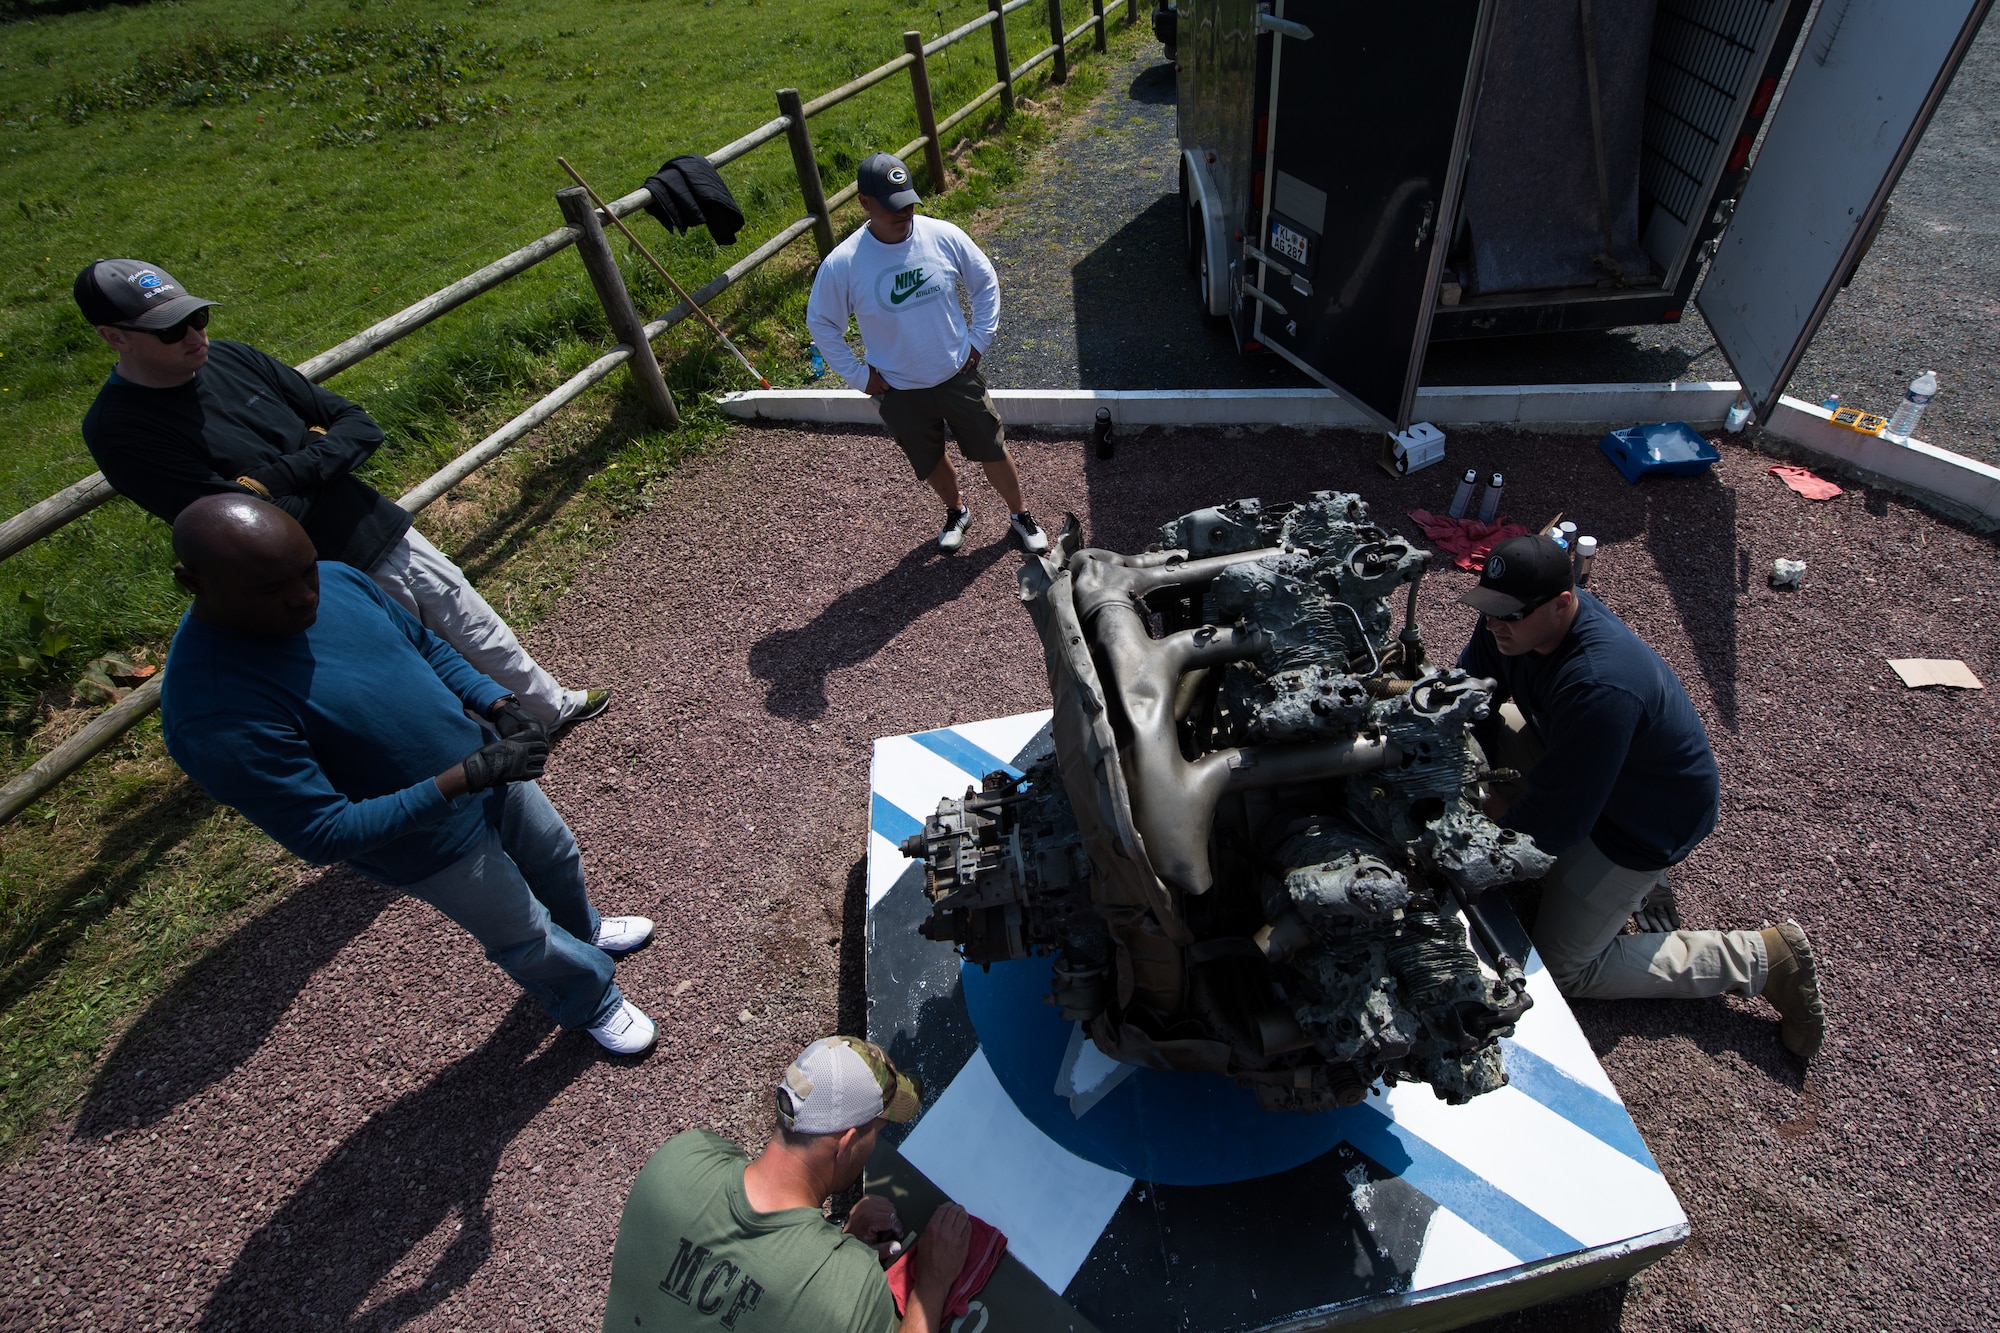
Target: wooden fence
<point x="584" y="230"/>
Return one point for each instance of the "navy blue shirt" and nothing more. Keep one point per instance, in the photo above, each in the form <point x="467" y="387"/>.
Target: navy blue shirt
<point x="1627" y="763"/>
<point x="330" y="739"/>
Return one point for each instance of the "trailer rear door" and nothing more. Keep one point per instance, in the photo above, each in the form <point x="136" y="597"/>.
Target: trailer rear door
<point x="1866" y="81"/>
<point x="1366" y="146"/>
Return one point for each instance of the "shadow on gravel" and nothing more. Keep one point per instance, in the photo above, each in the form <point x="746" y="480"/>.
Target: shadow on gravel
<point x="1154" y="85"/>
<point x="1691" y="534"/>
<point x="217" y="1015"/>
<point x="1715" y="1026"/>
<point x="851" y="1003"/>
<point x="861" y="622"/>
<point x="403" y="1200"/>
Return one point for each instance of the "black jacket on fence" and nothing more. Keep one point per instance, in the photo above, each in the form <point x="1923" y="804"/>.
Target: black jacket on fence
<point x="687" y="192"/>
<point x="248" y="414"/>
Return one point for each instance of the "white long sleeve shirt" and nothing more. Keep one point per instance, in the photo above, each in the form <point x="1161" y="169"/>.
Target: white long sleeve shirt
<point x="905" y="298"/>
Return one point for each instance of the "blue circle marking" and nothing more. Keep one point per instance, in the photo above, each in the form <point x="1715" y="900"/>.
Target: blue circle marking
<point x="1175" y="1129"/>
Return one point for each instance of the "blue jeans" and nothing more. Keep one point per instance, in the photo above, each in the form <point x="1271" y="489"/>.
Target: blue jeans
<point x="521" y="895"/>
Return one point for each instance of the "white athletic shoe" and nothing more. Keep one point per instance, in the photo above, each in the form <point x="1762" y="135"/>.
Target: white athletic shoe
<point x="1033" y="541"/>
<point x="625" y="1030"/>
<point x="956" y="521"/>
<point x="622" y="934"/>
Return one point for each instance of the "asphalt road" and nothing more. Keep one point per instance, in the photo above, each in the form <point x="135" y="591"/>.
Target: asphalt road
<point x="1096" y="295"/>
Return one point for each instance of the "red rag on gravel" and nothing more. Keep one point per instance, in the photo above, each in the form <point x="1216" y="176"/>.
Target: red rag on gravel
<point x="982" y="1255"/>
<point x="1805" y="483"/>
<point x="1467" y="539"/>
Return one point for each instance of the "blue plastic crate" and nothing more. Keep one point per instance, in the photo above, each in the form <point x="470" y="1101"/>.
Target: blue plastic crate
<point x="1668" y="449"/>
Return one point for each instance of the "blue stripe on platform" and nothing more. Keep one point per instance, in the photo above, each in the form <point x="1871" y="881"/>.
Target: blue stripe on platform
<point x="1583" y="1106"/>
<point x="1517" y="1228"/>
<point x="891" y="822"/>
<point x="962" y="754"/>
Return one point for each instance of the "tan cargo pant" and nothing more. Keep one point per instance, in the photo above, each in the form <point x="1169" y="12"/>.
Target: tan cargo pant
<point x="430" y="587"/>
<point x="1586" y="900"/>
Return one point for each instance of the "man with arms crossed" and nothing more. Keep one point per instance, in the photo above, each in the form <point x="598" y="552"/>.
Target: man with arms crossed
<point x="899" y="278"/>
<point x="713" y="1241"/>
<point x="298" y="693"/>
<point x="183" y="417"/>
<point x="1620" y="785"/>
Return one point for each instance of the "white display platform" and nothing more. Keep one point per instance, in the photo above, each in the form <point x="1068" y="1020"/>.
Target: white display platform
<point x="1401" y="1213"/>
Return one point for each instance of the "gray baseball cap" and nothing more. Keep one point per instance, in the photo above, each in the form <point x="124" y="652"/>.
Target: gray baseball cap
<point x="886" y="180"/>
<point x="133" y="293"/>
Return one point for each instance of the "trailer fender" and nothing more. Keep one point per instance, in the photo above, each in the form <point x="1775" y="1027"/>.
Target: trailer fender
<point x="1218" y="293"/>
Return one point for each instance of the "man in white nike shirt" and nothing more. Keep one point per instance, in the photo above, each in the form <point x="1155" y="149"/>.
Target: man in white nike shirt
<point x="899" y="278"/>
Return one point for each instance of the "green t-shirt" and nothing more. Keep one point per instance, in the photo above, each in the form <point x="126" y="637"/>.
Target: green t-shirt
<point x="693" y="1255"/>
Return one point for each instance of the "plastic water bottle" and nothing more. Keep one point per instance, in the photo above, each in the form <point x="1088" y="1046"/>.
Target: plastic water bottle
<point x="1739" y="414"/>
<point x="818" y="361"/>
<point x="1462" y="501"/>
<point x="1831" y="402"/>
<point x="1911" y="410"/>
<point x="1489" y="503"/>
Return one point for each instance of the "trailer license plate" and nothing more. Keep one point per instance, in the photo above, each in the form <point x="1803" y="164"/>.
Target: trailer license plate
<point x="1288" y="243"/>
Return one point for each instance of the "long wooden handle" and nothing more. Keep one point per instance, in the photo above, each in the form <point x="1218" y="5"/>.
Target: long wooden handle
<point x="679" y="290"/>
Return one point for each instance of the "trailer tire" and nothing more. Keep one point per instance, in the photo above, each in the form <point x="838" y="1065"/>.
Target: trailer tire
<point x="1198" y="242"/>
<point x="1190" y="215"/>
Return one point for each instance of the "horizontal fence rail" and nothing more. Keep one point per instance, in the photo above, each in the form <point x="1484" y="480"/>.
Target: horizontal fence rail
<point x="74" y="501"/>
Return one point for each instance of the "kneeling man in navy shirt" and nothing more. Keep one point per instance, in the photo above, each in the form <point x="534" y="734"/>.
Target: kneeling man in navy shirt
<point x="299" y="693"/>
<point x="1619" y="784"/>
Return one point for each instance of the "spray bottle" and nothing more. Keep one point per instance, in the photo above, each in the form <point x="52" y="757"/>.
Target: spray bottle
<point x="1583" y="557"/>
<point x="1461" y="503"/>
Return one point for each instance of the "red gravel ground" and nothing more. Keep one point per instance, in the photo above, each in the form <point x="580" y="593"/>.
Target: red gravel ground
<point x="345" y="1118"/>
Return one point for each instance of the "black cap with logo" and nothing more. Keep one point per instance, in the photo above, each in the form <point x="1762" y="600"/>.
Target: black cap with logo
<point x="1521" y="574"/>
<point x="886" y="180"/>
<point x="133" y="293"/>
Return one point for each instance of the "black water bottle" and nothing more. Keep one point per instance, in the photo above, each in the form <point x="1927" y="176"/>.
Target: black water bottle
<point x="1101" y="432"/>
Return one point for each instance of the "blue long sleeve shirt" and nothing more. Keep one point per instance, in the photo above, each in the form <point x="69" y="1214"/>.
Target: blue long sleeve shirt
<point x="1626" y="761"/>
<point x="330" y="739"/>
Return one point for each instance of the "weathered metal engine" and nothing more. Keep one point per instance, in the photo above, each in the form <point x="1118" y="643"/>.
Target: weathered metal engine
<point x="1254" y="849"/>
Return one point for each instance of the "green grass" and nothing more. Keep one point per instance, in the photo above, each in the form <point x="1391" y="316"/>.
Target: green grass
<point x="316" y="165"/>
<point x="309" y="229"/>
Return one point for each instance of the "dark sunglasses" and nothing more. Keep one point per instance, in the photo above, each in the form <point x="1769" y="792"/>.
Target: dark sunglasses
<point x="1523" y="613"/>
<point x="173" y="333"/>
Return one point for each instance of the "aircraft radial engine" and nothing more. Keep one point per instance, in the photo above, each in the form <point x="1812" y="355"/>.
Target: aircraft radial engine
<point x="1254" y="850"/>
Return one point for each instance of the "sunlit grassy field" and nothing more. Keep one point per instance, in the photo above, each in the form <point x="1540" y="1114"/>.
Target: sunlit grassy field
<point x="314" y="167"/>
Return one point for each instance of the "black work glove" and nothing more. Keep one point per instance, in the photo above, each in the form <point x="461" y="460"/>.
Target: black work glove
<point x="519" y="759"/>
<point x="511" y="720"/>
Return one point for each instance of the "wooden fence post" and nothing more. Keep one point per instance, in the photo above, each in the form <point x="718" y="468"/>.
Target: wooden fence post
<point x="1097" y="9"/>
<point x="1003" y="69"/>
<point x="920" y="91"/>
<point x="807" y="167"/>
<point x="626" y="325"/>
<point x="1062" y="48"/>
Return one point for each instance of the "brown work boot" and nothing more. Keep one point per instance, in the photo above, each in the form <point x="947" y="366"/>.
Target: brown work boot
<point x="1793" y="987"/>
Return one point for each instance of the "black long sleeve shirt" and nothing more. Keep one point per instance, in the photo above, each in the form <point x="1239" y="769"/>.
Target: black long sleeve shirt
<point x="1627" y="763"/>
<point x="248" y="414"/>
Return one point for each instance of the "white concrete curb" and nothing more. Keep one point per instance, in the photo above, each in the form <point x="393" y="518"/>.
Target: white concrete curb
<point x="1963" y="482"/>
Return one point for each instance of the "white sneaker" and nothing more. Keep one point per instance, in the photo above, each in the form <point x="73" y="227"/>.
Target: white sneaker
<point x="625" y="1030"/>
<point x="956" y="521"/>
<point x="622" y="934"/>
<point x="1033" y="541"/>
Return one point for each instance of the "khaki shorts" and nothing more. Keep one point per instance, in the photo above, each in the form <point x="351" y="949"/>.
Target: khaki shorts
<point x="918" y="417"/>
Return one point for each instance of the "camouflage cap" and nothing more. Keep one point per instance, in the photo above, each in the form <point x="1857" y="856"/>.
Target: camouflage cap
<point x="839" y="1083"/>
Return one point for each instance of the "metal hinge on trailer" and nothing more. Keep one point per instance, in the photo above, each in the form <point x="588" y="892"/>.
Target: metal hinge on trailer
<point x="1251" y="252"/>
<point x="1251" y="290"/>
<point x="1291" y="28"/>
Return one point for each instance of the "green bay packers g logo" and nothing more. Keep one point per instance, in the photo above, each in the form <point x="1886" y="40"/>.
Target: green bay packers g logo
<point x="896" y="289"/>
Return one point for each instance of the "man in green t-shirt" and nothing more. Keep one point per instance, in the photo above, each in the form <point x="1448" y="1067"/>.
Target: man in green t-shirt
<point x="711" y="1240"/>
